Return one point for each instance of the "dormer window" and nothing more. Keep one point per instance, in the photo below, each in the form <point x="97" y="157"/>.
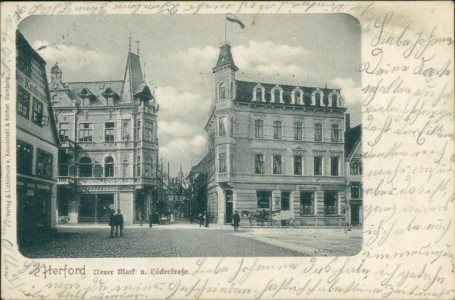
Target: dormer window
<point x="334" y="100"/>
<point x="317" y="98"/>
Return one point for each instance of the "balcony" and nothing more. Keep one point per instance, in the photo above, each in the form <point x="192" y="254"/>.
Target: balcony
<point x="105" y="181"/>
<point x="65" y="180"/>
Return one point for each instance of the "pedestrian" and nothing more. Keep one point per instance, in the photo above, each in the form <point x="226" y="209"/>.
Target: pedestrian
<point x="236" y="219"/>
<point x="119" y="223"/>
<point x="206" y="219"/>
<point x="201" y="219"/>
<point x="112" y="222"/>
<point x="141" y="218"/>
<point x="150" y="219"/>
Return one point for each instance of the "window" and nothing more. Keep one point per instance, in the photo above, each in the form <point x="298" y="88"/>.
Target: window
<point x="263" y="198"/>
<point x="109" y="132"/>
<point x="334" y="100"/>
<point x="317" y="98"/>
<point x="23" y="102"/>
<point x="43" y="163"/>
<point x="137" y="131"/>
<point x="85" y="167"/>
<point x="334" y="166"/>
<point x="258" y="129"/>
<point x="318" y="132"/>
<point x="276" y="95"/>
<point x="258" y="93"/>
<point x="138" y="166"/>
<point x="24" y="158"/>
<point x="37" y="116"/>
<point x="298" y="97"/>
<point x="297" y="165"/>
<point x="148" y="131"/>
<point x="125" y="130"/>
<point x="109" y="167"/>
<point x="355" y="191"/>
<point x="306" y="203"/>
<point x="277" y="164"/>
<point x="330" y="203"/>
<point x="356" y="168"/>
<point x="24" y="63"/>
<point x="222" y="91"/>
<point x="63" y="132"/>
<point x="318" y="165"/>
<point x="277" y="130"/>
<point x="66" y="165"/>
<point x="222" y="163"/>
<point x="285" y="200"/>
<point x="125" y="168"/>
<point x="297" y="131"/>
<point x="259" y="164"/>
<point x="85" y="132"/>
<point x="222" y="126"/>
<point x="335" y="133"/>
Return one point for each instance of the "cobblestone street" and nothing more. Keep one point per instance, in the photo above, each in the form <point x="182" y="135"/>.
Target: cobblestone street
<point x="189" y="240"/>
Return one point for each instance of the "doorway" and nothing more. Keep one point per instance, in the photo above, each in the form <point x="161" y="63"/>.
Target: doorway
<point x="229" y="207"/>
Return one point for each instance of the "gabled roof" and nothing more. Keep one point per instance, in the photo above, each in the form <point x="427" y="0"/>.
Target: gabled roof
<point x="352" y="139"/>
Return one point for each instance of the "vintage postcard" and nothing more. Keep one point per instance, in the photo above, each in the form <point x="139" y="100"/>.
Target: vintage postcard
<point x="227" y="150"/>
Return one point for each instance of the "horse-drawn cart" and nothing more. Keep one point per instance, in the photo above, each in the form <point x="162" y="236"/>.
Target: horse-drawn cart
<point x="275" y="218"/>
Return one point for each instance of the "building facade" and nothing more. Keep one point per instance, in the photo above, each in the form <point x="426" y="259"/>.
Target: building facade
<point x="276" y="147"/>
<point x="36" y="145"/>
<point x="354" y="170"/>
<point x="109" y="154"/>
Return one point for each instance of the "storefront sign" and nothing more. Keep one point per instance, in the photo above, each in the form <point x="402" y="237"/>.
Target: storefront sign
<point x="307" y="187"/>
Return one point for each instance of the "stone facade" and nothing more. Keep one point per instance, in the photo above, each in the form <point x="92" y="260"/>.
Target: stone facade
<point x="108" y="130"/>
<point x="354" y="170"/>
<point x="275" y="147"/>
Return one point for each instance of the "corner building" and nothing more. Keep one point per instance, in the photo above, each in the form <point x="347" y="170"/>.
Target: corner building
<point x="109" y="154"/>
<point x="275" y="147"/>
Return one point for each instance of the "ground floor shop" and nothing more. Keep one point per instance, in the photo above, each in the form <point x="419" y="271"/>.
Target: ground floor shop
<point x="94" y="204"/>
<point x="36" y="202"/>
<point x="308" y="205"/>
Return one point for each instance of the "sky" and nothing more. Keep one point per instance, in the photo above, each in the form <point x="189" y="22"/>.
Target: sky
<point x="179" y="52"/>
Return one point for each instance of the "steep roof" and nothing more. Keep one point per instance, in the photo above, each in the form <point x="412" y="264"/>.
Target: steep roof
<point x="95" y="88"/>
<point x="133" y="81"/>
<point x="225" y="58"/>
<point x="352" y="137"/>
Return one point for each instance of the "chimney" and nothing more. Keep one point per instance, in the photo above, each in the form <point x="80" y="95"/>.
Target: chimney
<point x="348" y="122"/>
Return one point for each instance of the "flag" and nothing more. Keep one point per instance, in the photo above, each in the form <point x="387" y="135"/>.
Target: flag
<point x="233" y="18"/>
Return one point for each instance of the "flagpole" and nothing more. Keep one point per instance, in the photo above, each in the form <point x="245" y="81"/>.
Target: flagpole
<point x="225" y="17"/>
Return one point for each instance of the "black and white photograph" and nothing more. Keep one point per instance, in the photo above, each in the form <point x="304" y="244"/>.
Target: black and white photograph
<point x="174" y="135"/>
<point x="227" y="150"/>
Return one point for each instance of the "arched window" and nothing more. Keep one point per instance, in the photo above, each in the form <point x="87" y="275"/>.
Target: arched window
<point x="276" y="96"/>
<point x="317" y="98"/>
<point x="298" y="97"/>
<point x="109" y="167"/>
<point x="222" y="91"/>
<point x="258" y="93"/>
<point x="85" y="167"/>
<point x="334" y="100"/>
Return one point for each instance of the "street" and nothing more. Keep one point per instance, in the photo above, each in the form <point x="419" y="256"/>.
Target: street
<point x="190" y="240"/>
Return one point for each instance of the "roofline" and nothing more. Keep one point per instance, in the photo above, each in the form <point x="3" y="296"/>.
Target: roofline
<point x="288" y="84"/>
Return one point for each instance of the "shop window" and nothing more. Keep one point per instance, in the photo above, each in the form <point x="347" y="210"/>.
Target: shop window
<point x="277" y="164"/>
<point x="263" y="198"/>
<point x="330" y="203"/>
<point x="24" y="158"/>
<point x="306" y="203"/>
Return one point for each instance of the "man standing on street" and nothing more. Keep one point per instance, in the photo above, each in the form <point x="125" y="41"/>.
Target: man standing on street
<point x="150" y="219"/>
<point x="236" y="219"/>
<point x="112" y="222"/>
<point x="141" y="218"/>
<point x="119" y="223"/>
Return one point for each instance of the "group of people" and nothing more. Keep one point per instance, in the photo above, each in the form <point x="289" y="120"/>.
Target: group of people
<point x="116" y="221"/>
<point x="203" y="219"/>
